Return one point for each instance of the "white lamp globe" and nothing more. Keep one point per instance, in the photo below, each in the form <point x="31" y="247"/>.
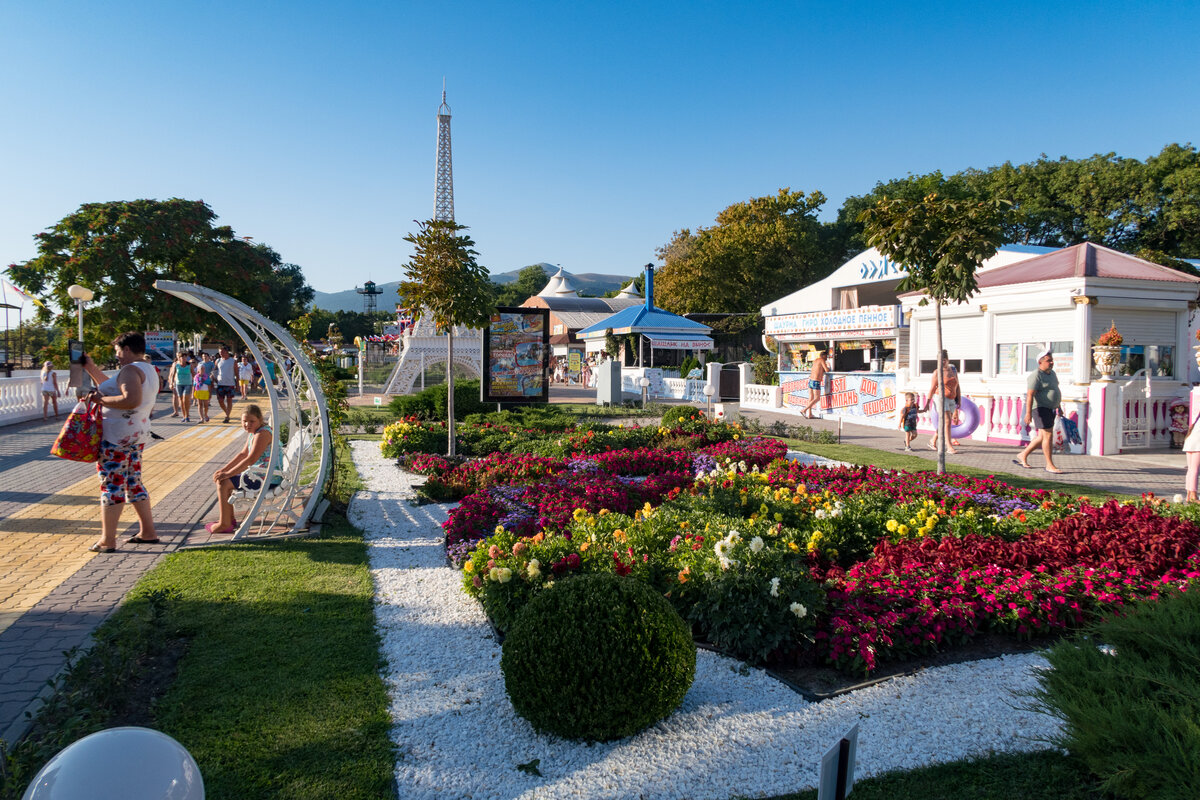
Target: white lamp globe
<point x="77" y="292"/>
<point x="120" y="764"/>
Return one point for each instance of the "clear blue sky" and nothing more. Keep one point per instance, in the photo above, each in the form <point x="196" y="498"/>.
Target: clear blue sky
<point x="584" y="133"/>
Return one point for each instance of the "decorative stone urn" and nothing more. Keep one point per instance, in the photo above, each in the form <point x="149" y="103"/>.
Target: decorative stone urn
<point x="1106" y="360"/>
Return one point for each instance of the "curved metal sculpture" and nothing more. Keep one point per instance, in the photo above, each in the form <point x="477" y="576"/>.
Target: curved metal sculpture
<point x="287" y="509"/>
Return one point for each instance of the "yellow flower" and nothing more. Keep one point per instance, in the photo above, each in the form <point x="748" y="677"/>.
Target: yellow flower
<point x="619" y="535"/>
<point x="499" y="529"/>
<point x="892" y="525"/>
<point x="469" y="566"/>
<point x="603" y="511"/>
<point x="902" y="530"/>
<point x="795" y="548"/>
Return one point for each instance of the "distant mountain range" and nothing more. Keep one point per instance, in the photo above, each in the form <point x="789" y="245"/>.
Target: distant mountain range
<point x="589" y="283"/>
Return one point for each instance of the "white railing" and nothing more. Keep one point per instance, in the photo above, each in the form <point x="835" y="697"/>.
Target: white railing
<point x="21" y="398"/>
<point x="756" y="395"/>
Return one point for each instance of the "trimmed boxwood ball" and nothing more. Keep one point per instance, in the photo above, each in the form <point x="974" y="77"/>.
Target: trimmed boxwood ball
<point x="597" y="657"/>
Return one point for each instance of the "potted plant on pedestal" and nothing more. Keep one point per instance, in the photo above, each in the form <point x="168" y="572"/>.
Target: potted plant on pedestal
<point x="1106" y="353"/>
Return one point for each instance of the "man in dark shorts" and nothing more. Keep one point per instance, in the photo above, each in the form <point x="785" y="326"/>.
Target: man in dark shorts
<point x="226" y="381"/>
<point x="816" y="379"/>
<point x="1042" y="400"/>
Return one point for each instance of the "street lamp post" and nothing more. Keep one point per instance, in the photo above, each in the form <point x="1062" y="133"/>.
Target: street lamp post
<point x="709" y="391"/>
<point x="644" y="382"/>
<point x="81" y="295"/>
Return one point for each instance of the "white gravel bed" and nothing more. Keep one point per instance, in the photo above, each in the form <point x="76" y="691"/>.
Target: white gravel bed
<point x="739" y="732"/>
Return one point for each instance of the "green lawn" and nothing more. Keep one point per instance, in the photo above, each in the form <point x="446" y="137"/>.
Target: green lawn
<point x="1045" y="775"/>
<point x="277" y="691"/>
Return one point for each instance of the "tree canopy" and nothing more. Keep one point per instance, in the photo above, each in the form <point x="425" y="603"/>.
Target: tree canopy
<point x="942" y="241"/>
<point x="756" y="251"/>
<point x="119" y="249"/>
<point x="1148" y="208"/>
<point x="530" y="280"/>
<point x="449" y="286"/>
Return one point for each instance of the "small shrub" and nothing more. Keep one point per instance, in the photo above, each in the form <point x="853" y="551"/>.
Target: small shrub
<point x="1130" y="713"/>
<point x="412" y="436"/>
<point x="596" y="658"/>
<point x="431" y="403"/>
<point x="675" y="416"/>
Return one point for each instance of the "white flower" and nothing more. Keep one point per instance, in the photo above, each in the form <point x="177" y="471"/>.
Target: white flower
<point x="534" y="569"/>
<point x="799" y="610"/>
<point x="774" y="587"/>
<point x="725" y="563"/>
<point x="733" y="538"/>
<point x="756" y="544"/>
<point x="504" y="574"/>
<point x="820" y="513"/>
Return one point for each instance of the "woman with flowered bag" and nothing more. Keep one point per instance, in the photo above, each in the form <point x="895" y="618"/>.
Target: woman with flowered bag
<point x="126" y="400"/>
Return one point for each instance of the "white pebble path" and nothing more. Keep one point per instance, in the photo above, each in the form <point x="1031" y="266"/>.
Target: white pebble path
<point x="738" y="732"/>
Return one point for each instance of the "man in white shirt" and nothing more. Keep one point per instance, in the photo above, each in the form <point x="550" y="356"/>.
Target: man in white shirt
<point x="226" y="380"/>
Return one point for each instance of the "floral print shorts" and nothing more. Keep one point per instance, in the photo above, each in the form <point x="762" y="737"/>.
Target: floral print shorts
<point x="120" y="468"/>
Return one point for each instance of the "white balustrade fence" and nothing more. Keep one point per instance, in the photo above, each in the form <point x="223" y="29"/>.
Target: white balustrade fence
<point x="756" y="395"/>
<point x="21" y="398"/>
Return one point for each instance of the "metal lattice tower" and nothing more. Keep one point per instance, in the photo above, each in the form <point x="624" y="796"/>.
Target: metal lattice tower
<point x="369" y="292"/>
<point x="443" y="201"/>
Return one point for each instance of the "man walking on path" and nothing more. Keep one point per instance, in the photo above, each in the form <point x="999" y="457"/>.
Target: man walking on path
<point x="949" y="405"/>
<point x="1042" y="400"/>
<point x="816" y="379"/>
<point x="226" y="380"/>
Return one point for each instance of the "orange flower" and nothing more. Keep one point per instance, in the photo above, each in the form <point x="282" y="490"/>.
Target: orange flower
<point x="683" y="574"/>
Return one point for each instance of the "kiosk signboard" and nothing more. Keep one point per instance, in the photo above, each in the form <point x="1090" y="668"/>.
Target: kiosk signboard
<point x="516" y="356"/>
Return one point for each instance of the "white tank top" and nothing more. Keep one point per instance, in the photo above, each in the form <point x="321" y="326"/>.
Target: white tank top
<point x="130" y="426"/>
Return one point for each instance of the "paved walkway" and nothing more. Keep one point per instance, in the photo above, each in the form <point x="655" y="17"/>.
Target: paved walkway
<point x="53" y="591"/>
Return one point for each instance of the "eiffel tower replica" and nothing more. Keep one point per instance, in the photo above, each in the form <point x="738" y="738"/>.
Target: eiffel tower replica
<point x="443" y="200"/>
<point x="422" y="345"/>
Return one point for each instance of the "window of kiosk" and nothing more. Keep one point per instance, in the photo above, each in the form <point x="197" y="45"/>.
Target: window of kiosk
<point x="1063" y="352"/>
<point x="1158" y="360"/>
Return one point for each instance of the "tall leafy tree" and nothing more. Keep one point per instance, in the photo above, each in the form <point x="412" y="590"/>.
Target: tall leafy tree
<point x="757" y="250"/>
<point x="119" y="249"/>
<point x="447" y="285"/>
<point x="942" y="241"/>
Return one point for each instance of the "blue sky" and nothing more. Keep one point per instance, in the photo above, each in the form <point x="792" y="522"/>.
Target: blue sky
<point x="584" y="133"/>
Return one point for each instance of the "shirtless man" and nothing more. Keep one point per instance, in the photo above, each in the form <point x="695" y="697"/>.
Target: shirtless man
<point x="816" y="379"/>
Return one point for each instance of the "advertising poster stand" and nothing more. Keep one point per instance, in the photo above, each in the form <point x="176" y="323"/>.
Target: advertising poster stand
<point x="516" y="356"/>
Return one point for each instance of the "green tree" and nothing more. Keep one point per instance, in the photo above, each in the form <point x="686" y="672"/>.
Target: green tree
<point x="447" y="285"/>
<point x="942" y="242"/>
<point x="119" y="249"/>
<point x="757" y="251"/>
<point x="530" y="280"/>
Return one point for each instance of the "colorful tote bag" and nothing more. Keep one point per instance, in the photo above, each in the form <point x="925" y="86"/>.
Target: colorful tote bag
<point x="79" y="439"/>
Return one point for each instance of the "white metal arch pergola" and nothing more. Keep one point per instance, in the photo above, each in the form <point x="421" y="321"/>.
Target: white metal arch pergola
<point x="289" y="509"/>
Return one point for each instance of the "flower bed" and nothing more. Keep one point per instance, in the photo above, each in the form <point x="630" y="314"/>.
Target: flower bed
<point x="852" y="566"/>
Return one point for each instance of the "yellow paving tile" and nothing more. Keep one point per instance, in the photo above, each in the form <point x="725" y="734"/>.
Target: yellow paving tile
<point x="44" y="544"/>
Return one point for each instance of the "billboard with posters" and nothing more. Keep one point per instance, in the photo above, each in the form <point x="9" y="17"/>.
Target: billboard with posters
<point x="516" y="356"/>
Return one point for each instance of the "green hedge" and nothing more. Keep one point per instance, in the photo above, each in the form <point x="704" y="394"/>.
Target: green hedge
<point x="1131" y="707"/>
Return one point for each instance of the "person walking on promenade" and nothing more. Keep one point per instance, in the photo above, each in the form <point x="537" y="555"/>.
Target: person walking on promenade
<point x="50" y="391"/>
<point x="126" y="400"/>
<point x="952" y="398"/>
<point x="247" y="470"/>
<point x="226" y="380"/>
<point x="202" y="385"/>
<point x="816" y="379"/>
<point x="183" y="385"/>
<point x="1191" y="449"/>
<point x="908" y="419"/>
<point x="1042" y="400"/>
<point x="245" y="376"/>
